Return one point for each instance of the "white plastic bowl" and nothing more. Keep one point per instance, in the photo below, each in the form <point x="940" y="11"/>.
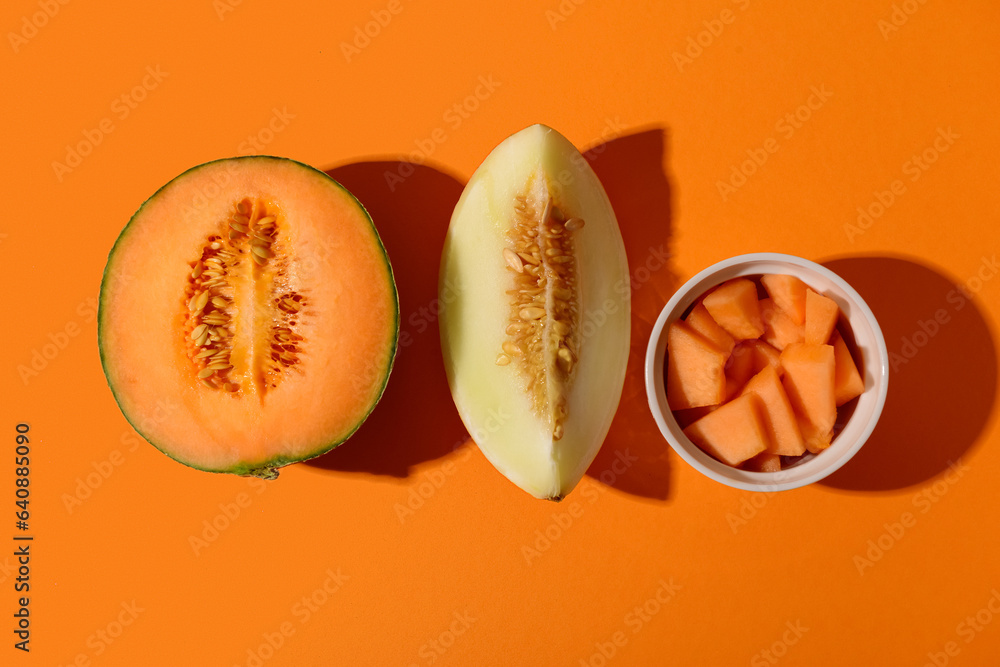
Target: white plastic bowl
<point x="869" y="341"/>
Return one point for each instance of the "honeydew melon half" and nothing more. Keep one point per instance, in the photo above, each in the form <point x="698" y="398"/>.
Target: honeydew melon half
<point x="534" y="291"/>
<point x="248" y="316"/>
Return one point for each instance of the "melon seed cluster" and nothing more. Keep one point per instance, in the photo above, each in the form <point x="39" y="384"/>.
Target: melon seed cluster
<point x="543" y="304"/>
<point x="250" y="232"/>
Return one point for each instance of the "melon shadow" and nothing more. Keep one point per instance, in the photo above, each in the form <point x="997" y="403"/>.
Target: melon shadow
<point x="634" y="456"/>
<point x="415" y="421"/>
<point x="942" y="373"/>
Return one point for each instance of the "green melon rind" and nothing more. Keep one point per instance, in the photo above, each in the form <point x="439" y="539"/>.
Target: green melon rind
<point x="267" y="469"/>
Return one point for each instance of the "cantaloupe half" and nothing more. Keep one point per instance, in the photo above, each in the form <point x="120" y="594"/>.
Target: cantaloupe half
<point x="248" y="316"/>
<point x="535" y="309"/>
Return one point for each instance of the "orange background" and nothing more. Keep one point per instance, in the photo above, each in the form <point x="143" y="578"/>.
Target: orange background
<point x="654" y="565"/>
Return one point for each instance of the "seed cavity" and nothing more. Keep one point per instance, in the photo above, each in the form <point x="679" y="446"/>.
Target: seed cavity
<point x="542" y="331"/>
<point x="243" y="258"/>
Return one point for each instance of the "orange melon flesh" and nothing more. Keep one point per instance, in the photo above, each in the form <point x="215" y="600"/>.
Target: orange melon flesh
<point x="739" y="366"/>
<point x="328" y="285"/>
<point x="821" y="317"/>
<point x="733" y="432"/>
<point x="689" y="416"/>
<point x="778" y="415"/>
<point x="788" y="294"/>
<point x="780" y="330"/>
<point x="847" y="380"/>
<point x="761" y="355"/>
<point x="701" y="322"/>
<point x="695" y="369"/>
<point x="809" y="383"/>
<point x="763" y="462"/>
<point x="733" y="305"/>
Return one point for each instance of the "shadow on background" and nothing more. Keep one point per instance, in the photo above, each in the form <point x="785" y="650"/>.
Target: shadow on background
<point x="416" y="420"/>
<point x="942" y="379"/>
<point x="631" y="168"/>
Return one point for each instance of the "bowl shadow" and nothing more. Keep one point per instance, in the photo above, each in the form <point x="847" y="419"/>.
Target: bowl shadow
<point x="942" y="373"/>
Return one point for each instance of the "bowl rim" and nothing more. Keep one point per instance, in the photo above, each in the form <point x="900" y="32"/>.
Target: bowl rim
<point x="811" y="469"/>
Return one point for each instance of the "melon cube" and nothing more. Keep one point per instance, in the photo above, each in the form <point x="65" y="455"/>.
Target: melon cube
<point x="821" y="317"/>
<point x="788" y="293"/>
<point x="739" y="366"/>
<point x="687" y="417"/>
<point x="779" y="417"/>
<point x="695" y="369"/>
<point x="809" y="383"/>
<point x="763" y="355"/>
<point x="780" y="329"/>
<point x="733" y="305"/>
<point x="763" y="462"/>
<point x="847" y="382"/>
<point x="733" y="432"/>
<point x="701" y="321"/>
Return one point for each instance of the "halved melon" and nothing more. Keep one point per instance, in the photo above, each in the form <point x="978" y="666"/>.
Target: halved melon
<point x="254" y="298"/>
<point x="535" y="311"/>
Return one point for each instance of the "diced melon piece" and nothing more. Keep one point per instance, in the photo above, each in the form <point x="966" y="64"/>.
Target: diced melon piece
<point x="734" y="306"/>
<point x="847" y="382"/>
<point x="732" y="433"/>
<point x="687" y="417"/>
<point x="821" y="317"/>
<point x="739" y="366"/>
<point x="788" y="293"/>
<point x="695" y="375"/>
<point x="763" y="355"/>
<point x="763" y="462"/>
<point x="809" y="383"/>
<point x="701" y="321"/>
<point x="780" y="329"/>
<point x="778" y="415"/>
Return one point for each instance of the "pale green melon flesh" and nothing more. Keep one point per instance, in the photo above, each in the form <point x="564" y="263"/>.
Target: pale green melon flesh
<point x="517" y="431"/>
